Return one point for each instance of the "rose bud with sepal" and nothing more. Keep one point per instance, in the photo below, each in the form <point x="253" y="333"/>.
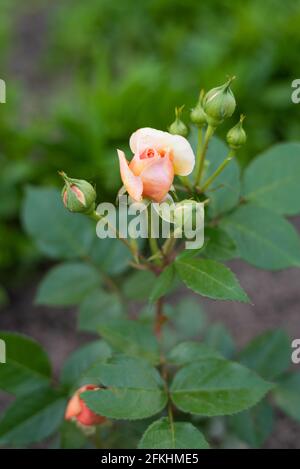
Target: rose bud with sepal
<point x="219" y="103"/>
<point x="178" y="127"/>
<point x="197" y="115"/>
<point x="236" y="137"/>
<point x="78" y="195"/>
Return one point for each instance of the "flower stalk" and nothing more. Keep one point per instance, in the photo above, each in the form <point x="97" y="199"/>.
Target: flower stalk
<point x="218" y="171"/>
<point x="201" y="152"/>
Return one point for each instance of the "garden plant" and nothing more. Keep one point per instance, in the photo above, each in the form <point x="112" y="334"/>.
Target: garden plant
<point x="156" y="373"/>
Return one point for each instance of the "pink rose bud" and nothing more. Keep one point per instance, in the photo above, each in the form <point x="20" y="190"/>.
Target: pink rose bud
<point x="77" y="409"/>
<point x="157" y="157"/>
<point x="78" y="195"/>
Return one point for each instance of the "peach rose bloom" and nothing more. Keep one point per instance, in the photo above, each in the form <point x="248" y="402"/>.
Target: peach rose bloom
<point x="157" y="157"/>
<point x="78" y="410"/>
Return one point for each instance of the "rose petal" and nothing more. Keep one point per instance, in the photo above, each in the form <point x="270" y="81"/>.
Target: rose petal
<point x="79" y="194"/>
<point x="139" y="164"/>
<point x="183" y="155"/>
<point x="146" y="138"/>
<point x="179" y="147"/>
<point x="75" y="404"/>
<point x="88" y="417"/>
<point x="157" y="179"/>
<point x="73" y="407"/>
<point x="132" y="183"/>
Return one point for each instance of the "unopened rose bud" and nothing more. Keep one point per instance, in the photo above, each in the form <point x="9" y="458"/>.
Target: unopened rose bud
<point x="236" y="137"/>
<point x="178" y="127"/>
<point x="198" y="115"/>
<point x="78" y="411"/>
<point x="219" y="103"/>
<point x="78" y="195"/>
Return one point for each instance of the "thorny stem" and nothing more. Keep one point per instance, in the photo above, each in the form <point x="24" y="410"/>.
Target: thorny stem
<point x="218" y="171"/>
<point x="160" y="319"/>
<point x="201" y="152"/>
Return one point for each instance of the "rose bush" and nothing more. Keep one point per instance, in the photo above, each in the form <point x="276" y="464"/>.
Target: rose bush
<point x="163" y="376"/>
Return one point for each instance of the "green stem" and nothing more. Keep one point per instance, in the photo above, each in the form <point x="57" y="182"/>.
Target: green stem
<point x="159" y="321"/>
<point x="199" y="149"/>
<point x="218" y="171"/>
<point x="153" y="246"/>
<point x="202" y="153"/>
<point x="168" y="245"/>
<point x="186" y="182"/>
<point x="94" y="215"/>
<point x="171" y="420"/>
<point x="155" y="251"/>
<point x="96" y="440"/>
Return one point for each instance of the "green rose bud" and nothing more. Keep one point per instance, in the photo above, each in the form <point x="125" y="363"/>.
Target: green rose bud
<point x="78" y="195"/>
<point x="178" y="127"/>
<point x="198" y="115"/>
<point x="236" y="137"/>
<point x="219" y="103"/>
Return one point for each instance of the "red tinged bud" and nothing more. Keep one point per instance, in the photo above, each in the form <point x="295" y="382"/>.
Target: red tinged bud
<point x="78" y="195"/>
<point x="77" y="192"/>
<point x="78" y="410"/>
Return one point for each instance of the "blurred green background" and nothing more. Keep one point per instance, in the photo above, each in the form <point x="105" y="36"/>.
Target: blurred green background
<point x="82" y="76"/>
